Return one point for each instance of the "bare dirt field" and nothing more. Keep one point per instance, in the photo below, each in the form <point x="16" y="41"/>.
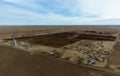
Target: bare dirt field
<point x="13" y="31"/>
<point x="14" y="62"/>
<point x="68" y="39"/>
<point x="62" y="39"/>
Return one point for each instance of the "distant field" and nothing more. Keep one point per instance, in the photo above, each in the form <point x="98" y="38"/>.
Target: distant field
<point x="12" y="31"/>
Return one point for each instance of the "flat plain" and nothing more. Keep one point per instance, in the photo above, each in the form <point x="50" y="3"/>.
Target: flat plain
<point x="17" y="62"/>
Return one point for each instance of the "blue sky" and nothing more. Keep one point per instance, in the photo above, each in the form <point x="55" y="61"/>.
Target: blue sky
<point x="59" y="12"/>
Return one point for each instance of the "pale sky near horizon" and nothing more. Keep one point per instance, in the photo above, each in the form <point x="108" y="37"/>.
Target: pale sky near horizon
<point x="59" y="12"/>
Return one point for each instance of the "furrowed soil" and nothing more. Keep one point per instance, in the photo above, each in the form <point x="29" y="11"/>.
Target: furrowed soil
<point x="15" y="62"/>
<point x="63" y="38"/>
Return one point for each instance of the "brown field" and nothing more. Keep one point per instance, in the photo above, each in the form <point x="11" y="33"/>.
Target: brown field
<point x="62" y="39"/>
<point x="16" y="62"/>
<point x="9" y="31"/>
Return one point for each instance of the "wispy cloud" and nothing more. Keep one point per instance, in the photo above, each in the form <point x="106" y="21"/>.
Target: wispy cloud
<point x="105" y="9"/>
<point x="59" y="12"/>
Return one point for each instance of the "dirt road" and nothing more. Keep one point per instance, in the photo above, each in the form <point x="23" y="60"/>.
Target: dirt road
<point x="15" y="62"/>
<point x="114" y="57"/>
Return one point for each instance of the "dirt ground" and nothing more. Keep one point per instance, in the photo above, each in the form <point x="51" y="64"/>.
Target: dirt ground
<point x="13" y="31"/>
<point x="64" y="38"/>
<point x="15" y="62"/>
<point x="114" y="57"/>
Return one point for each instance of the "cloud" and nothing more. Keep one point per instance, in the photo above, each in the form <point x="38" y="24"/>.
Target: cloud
<point x="105" y="22"/>
<point x="60" y="12"/>
<point x="12" y="1"/>
<point x="105" y="9"/>
<point x="14" y="15"/>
